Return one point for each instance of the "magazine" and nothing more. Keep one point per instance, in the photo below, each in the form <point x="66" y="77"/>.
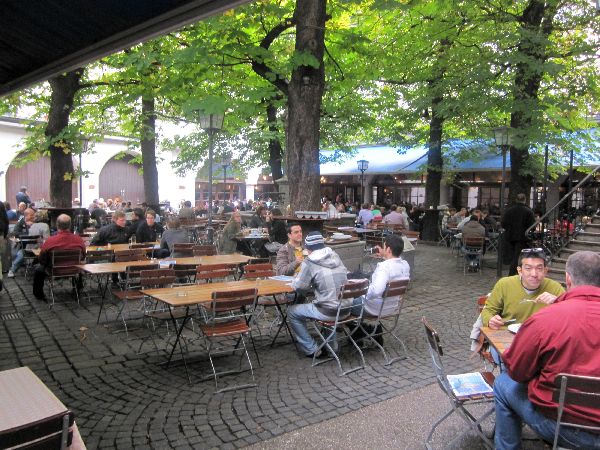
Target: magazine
<point x="469" y="384"/>
<point x="282" y="278"/>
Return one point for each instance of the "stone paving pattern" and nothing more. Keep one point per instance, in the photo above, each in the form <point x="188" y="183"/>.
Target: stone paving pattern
<point x="125" y="400"/>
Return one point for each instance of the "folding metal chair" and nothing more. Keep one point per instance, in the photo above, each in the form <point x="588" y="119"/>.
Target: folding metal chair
<point x="326" y="330"/>
<point x="574" y="391"/>
<point x="472" y="250"/>
<point x="458" y="404"/>
<point x="265" y="270"/>
<point x="229" y="317"/>
<point x="390" y="309"/>
<point x="207" y="273"/>
<point x="27" y="243"/>
<point x="64" y="266"/>
<point x="54" y="432"/>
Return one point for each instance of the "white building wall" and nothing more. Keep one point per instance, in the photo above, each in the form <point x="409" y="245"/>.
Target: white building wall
<point x="171" y="186"/>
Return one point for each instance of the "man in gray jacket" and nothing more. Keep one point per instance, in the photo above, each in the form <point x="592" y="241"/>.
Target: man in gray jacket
<point x="323" y="272"/>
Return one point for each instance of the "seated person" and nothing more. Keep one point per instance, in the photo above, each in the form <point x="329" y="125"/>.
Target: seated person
<point x="113" y="233"/>
<point x="10" y="213"/>
<point x="392" y="268"/>
<point x="395" y="217"/>
<point x="562" y="338"/>
<point x="64" y="239"/>
<point x="289" y="256"/>
<point x="174" y="234"/>
<point x="138" y="219"/>
<point x="37" y="228"/>
<point x="519" y="296"/>
<point x="365" y="216"/>
<point x="149" y="229"/>
<point x="187" y="212"/>
<point x="261" y="219"/>
<point x="323" y="272"/>
<point x="99" y="216"/>
<point x="473" y="229"/>
<point x="23" y="224"/>
<point x="278" y="231"/>
<point x="228" y="243"/>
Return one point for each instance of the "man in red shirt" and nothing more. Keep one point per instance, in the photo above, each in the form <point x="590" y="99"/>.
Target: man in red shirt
<point x="64" y="239"/>
<point x="562" y="338"/>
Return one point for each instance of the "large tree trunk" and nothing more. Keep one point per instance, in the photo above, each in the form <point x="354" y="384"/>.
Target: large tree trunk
<point x="148" y="145"/>
<point x="304" y="105"/>
<point x="536" y="26"/>
<point x="434" y="173"/>
<point x="64" y="88"/>
<point x="275" y="150"/>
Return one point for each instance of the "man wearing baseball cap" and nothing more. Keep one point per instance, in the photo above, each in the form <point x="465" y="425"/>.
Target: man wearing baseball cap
<point x="323" y="273"/>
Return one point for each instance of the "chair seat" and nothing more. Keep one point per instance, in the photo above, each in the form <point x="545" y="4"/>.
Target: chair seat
<point x="178" y="313"/>
<point x="270" y="301"/>
<point x="231" y="328"/>
<point x="128" y="295"/>
<point x="330" y="323"/>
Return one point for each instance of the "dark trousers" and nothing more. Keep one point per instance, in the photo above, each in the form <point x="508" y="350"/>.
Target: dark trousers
<point x="514" y="252"/>
<point x="39" y="276"/>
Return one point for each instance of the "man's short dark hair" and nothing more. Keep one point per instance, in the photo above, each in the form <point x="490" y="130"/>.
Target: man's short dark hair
<point x="63" y="222"/>
<point x="150" y="213"/>
<point x="536" y="253"/>
<point x="118" y="215"/>
<point x="288" y="227"/>
<point x="187" y="204"/>
<point x="395" y="243"/>
<point x="521" y="198"/>
<point x="139" y="212"/>
<point x="584" y="268"/>
<point x="174" y="223"/>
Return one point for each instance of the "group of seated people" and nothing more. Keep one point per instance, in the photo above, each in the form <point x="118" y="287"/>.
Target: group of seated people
<point x="560" y="333"/>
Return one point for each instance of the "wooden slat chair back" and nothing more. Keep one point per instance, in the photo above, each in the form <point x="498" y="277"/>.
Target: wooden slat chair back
<point x="183" y="250"/>
<point x="204" y="250"/>
<point x="209" y="272"/>
<point x="99" y="256"/>
<point x="385" y="322"/>
<point x="51" y="433"/>
<point x="157" y="278"/>
<point x="411" y="234"/>
<point x="326" y="330"/>
<point x="472" y="251"/>
<point x="229" y="316"/>
<point x="329" y="230"/>
<point x="138" y="254"/>
<point x="474" y="242"/>
<point x="373" y="240"/>
<point x="458" y="402"/>
<point x="63" y="264"/>
<point x="575" y="391"/>
<point x="256" y="271"/>
<point x="146" y="245"/>
<point x="185" y="273"/>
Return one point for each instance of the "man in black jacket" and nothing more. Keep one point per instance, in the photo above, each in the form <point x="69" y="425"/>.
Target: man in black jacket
<point x="148" y="230"/>
<point x="515" y="221"/>
<point x="113" y="233"/>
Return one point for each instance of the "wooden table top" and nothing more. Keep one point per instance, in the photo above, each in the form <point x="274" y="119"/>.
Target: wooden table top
<point x="25" y="400"/>
<point x="499" y="339"/>
<point x="116" y="267"/>
<point x="202" y="293"/>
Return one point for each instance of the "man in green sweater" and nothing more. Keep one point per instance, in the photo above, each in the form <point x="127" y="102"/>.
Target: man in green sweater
<point x="515" y="298"/>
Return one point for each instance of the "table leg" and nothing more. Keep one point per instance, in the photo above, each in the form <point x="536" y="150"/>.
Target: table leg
<point x="178" y="339"/>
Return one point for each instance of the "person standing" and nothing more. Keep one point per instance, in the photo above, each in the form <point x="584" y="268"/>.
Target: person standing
<point x="562" y="338"/>
<point x="515" y="221"/>
<point x="23" y="197"/>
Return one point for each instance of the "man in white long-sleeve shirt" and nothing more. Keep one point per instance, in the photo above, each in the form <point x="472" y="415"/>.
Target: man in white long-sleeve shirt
<point x="392" y="268"/>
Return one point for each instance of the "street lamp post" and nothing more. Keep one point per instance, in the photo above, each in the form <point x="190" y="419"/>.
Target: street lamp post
<point x="211" y="123"/>
<point x="226" y="162"/>
<point x="503" y="139"/>
<point x="363" y="165"/>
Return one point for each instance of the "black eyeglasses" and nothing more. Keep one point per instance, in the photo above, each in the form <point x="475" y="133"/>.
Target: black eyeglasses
<point x="530" y="251"/>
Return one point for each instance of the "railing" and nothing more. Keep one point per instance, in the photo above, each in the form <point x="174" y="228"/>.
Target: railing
<point x="556" y="228"/>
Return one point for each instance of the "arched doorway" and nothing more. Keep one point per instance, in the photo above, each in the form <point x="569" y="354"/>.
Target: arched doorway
<point x="119" y="178"/>
<point x="36" y="176"/>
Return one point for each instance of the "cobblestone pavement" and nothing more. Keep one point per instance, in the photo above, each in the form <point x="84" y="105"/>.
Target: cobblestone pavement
<point x="122" y="399"/>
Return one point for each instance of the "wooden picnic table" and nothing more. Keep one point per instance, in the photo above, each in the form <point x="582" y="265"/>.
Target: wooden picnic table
<point x="117" y="267"/>
<point x="201" y="294"/>
<point x="25" y="401"/>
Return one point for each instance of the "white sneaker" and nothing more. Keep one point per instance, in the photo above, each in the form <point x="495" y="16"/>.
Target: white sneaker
<point x="10" y="274"/>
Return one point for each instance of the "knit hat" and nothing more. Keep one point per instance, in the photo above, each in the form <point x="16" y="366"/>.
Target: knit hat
<point x="314" y="241"/>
